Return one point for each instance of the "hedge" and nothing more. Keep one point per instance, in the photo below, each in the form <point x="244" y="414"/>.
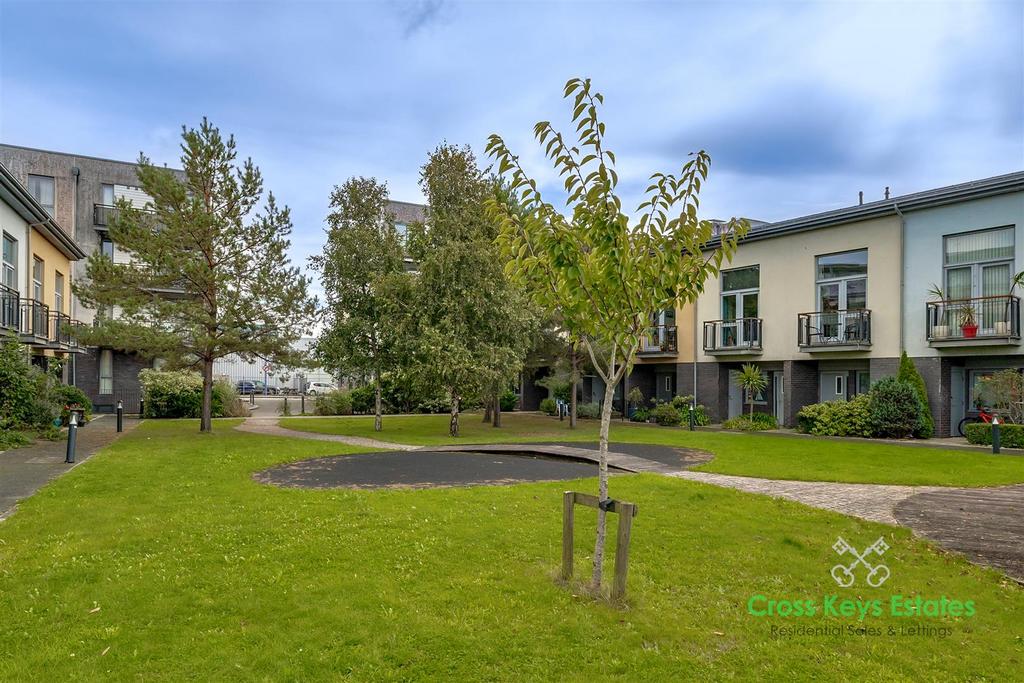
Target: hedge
<point x="1010" y="435"/>
<point x="758" y="423"/>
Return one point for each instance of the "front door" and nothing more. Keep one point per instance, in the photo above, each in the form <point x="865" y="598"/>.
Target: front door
<point x="735" y="396"/>
<point x="957" y="398"/>
<point x="833" y="386"/>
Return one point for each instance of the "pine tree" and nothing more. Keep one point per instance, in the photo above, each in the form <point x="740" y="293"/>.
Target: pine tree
<point x="908" y="373"/>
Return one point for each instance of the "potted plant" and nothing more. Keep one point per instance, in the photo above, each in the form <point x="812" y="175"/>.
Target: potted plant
<point x="969" y="322"/>
<point x="940" y="327"/>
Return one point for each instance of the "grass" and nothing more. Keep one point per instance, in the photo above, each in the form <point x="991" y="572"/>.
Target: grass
<point x="753" y="455"/>
<point x="162" y="559"/>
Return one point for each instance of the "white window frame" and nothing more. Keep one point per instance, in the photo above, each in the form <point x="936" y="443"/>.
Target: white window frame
<point x="38" y="283"/>
<point x="105" y="367"/>
<point x="739" y="330"/>
<point x="9" y="274"/>
<point x="58" y="291"/>
<point x="50" y="208"/>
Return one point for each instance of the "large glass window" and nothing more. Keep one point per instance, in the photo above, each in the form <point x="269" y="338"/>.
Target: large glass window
<point x="842" y="283"/>
<point x="38" y="268"/>
<point x="980" y="264"/>
<point x="41" y="187"/>
<point x="106" y="371"/>
<point x="9" y="276"/>
<point x="740" y="292"/>
<point x="107" y="248"/>
<point x="58" y="292"/>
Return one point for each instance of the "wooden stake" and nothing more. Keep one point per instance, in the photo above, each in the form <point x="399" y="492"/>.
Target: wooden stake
<point x="622" y="550"/>
<point x="568" y="502"/>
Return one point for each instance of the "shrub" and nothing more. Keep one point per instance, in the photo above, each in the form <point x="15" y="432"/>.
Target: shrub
<point x="334" y="403"/>
<point x="67" y="396"/>
<point x="758" y="423"/>
<point x="666" y="415"/>
<point x="909" y="374"/>
<point x="640" y="415"/>
<point x="1010" y="435"/>
<point x="896" y="411"/>
<point x="13" y="439"/>
<point x="363" y="400"/>
<point x="24" y="385"/>
<point x="509" y="401"/>
<point x="588" y="411"/>
<point x="700" y="414"/>
<point x="179" y="393"/>
<point x="1003" y="391"/>
<point x="837" y="418"/>
<point x="549" y="406"/>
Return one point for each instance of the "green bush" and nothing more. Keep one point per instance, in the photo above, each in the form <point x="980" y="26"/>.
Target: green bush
<point x="700" y="414"/>
<point x="1010" y="435"/>
<point x="68" y="396"/>
<point x="837" y="418"/>
<point x="666" y="415"/>
<point x="588" y="411"/>
<point x="363" y="400"/>
<point x="334" y="403"/>
<point x="509" y="401"/>
<point x="758" y="423"/>
<point x="549" y="406"/>
<point x="26" y="399"/>
<point x="909" y="374"/>
<point x="896" y="410"/>
<point x="13" y="439"/>
<point x="179" y="393"/>
<point x="640" y="415"/>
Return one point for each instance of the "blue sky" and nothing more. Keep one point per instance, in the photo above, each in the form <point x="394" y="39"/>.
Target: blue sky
<point x="800" y="104"/>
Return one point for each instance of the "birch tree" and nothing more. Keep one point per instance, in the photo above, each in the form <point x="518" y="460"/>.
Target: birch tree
<point x="601" y="271"/>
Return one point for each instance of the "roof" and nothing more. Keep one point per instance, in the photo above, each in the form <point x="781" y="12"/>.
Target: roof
<point x="407" y="212"/>
<point x="82" y="156"/>
<point x="975" y="189"/>
<point x="18" y="198"/>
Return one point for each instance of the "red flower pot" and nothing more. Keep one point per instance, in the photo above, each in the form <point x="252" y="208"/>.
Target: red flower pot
<point x="970" y="331"/>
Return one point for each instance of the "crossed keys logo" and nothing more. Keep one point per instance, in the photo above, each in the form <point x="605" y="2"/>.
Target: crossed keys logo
<point x="843" y="573"/>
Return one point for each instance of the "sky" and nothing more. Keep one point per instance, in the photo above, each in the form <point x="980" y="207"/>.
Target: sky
<point x="800" y="104"/>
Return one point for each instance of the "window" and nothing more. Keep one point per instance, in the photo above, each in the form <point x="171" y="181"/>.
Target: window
<point x="106" y="371"/>
<point x="759" y="397"/>
<point x="58" y="292"/>
<point x="107" y="248"/>
<point x="740" y="291"/>
<point x="107" y="195"/>
<point x="980" y="264"/>
<point x="668" y="383"/>
<point x="41" y="187"/>
<point x="402" y="230"/>
<point x="863" y="381"/>
<point x="842" y="286"/>
<point x="9" y="276"/>
<point x="840" y="385"/>
<point x="38" y="268"/>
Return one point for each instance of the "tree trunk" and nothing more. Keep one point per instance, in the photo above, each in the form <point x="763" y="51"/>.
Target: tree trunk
<point x="497" y="412"/>
<point x="453" y="424"/>
<point x="206" y="413"/>
<point x="751" y="408"/>
<point x="602" y="479"/>
<point x="488" y="402"/>
<point x="573" y="375"/>
<point x="378" y="412"/>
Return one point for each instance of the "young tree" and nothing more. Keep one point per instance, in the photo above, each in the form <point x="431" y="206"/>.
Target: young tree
<point x="362" y="249"/>
<point x="465" y="328"/>
<point x="603" y="274"/>
<point x="209" y="274"/>
<point x="908" y="373"/>
<point x="752" y="381"/>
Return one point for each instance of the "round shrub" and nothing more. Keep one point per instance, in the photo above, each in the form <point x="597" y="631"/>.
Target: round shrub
<point x="509" y="401"/>
<point x="895" y="409"/>
<point x="640" y="415"/>
<point x="588" y="411"/>
<point x="334" y="403"/>
<point x="363" y="399"/>
<point x="837" y="418"/>
<point x="666" y="415"/>
<point x="700" y="413"/>
<point x="549" y="406"/>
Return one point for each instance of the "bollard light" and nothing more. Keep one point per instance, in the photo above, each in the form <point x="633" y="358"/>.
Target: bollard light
<point x="692" y="421"/>
<point x="995" y="435"/>
<point x="120" y="416"/>
<point x="72" y="434"/>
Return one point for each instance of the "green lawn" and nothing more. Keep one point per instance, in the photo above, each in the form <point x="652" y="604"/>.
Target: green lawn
<point x="162" y="559"/>
<point x="753" y="455"/>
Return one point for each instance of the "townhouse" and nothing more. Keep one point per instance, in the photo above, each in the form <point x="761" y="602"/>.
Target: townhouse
<point x="36" y="269"/>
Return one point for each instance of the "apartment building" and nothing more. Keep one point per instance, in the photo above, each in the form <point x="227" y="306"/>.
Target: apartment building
<point x="36" y="269"/>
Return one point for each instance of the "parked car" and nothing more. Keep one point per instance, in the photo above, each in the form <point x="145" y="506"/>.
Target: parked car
<point x="254" y="386"/>
<point x="316" y="388"/>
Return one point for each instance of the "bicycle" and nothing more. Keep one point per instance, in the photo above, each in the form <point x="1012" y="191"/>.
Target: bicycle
<point x="984" y="417"/>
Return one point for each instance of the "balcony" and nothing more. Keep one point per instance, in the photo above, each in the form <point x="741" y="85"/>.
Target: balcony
<point x="660" y="340"/>
<point x="102" y="213"/>
<point x="846" y="330"/>
<point x="10" y="309"/>
<point x="741" y="336"/>
<point x="35" y="322"/>
<point x="978" y="321"/>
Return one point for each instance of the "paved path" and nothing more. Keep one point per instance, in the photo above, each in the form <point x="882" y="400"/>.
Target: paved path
<point x="23" y="471"/>
<point x="268" y="425"/>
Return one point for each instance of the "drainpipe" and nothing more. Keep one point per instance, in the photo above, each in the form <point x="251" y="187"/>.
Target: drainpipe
<point x="903" y="268"/>
<point x="695" y="324"/>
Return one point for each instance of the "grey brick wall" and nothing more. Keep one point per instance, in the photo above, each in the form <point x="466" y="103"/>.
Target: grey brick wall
<point x="126" y="385"/>
<point x="800" y="387"/>
<point x="936" y="375"/>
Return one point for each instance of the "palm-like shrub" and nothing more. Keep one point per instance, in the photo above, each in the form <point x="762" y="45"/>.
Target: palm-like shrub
<point x="752" y="381"/>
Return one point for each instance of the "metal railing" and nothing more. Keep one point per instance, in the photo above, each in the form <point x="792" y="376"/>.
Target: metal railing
<point x="101" y="213"/>
<point x="975" y="318"/>
<point x="35" y="320"/>
<point x="834" y="328"/>
<point x="740" y="334"/>
<point x="10" y="309"/>
<point x="59" y="329"/>
<point x="660" y="339"/>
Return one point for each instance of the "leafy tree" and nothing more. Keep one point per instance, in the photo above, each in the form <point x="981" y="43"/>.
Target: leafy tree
<point x="908" y="373"/>
<point x="362" y="248"/>
<point x="464" y="328"/>
<point x="209" y="273"/>
<point x="604" y="274"/>
<point x="751" y="380"/>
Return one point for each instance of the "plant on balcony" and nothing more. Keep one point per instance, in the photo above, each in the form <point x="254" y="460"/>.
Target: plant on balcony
<point x="752" y="381"/>
<point x="969" y="321"/>
<point x="940" y="326"/>
<point x="591" y="265"/>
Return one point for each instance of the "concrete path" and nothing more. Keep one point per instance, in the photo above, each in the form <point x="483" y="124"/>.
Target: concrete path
<point x="268" y="425"/>
<point x="23" y="471"/>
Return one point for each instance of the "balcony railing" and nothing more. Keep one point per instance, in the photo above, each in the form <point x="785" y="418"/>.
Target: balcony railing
<point x="10" y="309"/>
<point x="101" y="214"/>
<point x="741" y="335"/>
<point x="59" y="330"/>
<point x="994" y="318"/>
<point x="35" y="321"/>
<point x="831" y="329"/>
<point x="660" y="339"/>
